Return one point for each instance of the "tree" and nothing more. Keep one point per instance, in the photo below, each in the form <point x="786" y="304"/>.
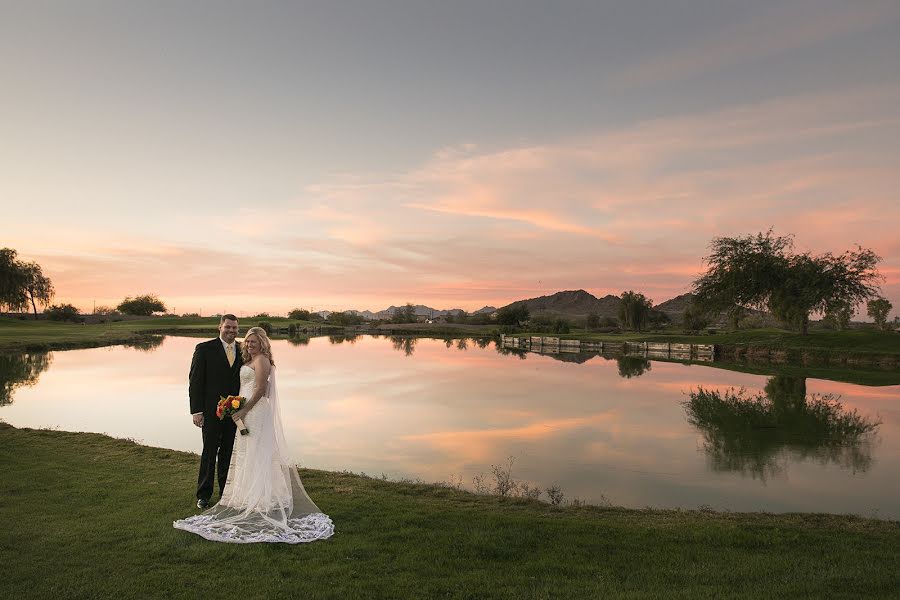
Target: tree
<point x="593" y="321"/>
<point x="694" y="318"/>
<point x="838" y="316"/>
<point x="143" y="306"/>
<point x="457" y="316"/>
<point x="299" y="314"/>
<point x="37" y="286"/>
<point x="634" y="310"/>
<point x="22" y="283"/>
<point x="762" y="271"/>
<point x="514" y="315"/>
<point x="404" y="314"/>
<point x="344" y="319"/>
<point x="878" y="309"/>
<point x="657" y="319"/>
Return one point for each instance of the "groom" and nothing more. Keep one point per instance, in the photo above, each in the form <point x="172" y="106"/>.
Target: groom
<point x="215" y="371"/>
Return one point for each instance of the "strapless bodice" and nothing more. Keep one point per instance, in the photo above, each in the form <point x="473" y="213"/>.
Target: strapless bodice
<point x="248" y="375"/>
<point x="248" y="381"/>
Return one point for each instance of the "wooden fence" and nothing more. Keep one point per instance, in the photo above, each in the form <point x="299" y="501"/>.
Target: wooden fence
<point x="553" y="345"/>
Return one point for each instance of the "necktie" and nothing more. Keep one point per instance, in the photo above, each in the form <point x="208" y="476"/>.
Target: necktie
<point x="229" y="352"/>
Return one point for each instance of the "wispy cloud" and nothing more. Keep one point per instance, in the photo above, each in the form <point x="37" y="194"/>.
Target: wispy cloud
<point x="785" y="27"/>
<point x="630" y="208"/>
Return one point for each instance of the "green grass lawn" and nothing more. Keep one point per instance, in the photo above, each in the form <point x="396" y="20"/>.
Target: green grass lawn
<point x="88" y="516"/>
<point x="18" y="334"/>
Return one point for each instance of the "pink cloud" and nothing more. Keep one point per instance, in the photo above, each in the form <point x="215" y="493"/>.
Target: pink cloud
<point x="633" y="208"/>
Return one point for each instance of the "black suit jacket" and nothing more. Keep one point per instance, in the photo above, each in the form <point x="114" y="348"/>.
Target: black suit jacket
<point x="211" y="377"/>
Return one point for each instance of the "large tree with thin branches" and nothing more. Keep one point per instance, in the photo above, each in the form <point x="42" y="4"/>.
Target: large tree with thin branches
<point x="22" y="283"/>
<point x="763" y="272"/>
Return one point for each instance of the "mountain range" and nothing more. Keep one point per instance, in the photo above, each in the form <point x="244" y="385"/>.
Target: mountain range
<point x="421" y="310"/>
<point x="570" y="303"/>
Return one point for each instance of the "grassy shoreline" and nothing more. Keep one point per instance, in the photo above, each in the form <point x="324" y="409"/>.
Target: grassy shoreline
<point x="77" y="507"/>
<point x="15" y="334"/>
<point x="863" y="357"/>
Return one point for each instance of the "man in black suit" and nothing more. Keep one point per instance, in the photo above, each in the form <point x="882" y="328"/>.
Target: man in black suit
<point x="215" y="372"/>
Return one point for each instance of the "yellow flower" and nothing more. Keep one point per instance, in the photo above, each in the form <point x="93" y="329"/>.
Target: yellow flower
<point x="235" y="403"/>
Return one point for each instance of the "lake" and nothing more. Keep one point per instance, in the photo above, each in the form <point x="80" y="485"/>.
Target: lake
<point x="624" y="431"/>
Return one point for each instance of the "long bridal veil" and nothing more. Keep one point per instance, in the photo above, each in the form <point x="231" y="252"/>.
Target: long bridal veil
<point x="264" y="499"/>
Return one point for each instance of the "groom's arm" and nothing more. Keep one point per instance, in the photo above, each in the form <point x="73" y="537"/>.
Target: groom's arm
<point x="197" y="381"/>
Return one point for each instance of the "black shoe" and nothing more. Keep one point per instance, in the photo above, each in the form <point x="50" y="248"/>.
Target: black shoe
<point x="202" y="503"/>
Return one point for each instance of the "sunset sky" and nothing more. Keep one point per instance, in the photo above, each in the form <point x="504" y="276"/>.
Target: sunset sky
<point x="247" y="157"/>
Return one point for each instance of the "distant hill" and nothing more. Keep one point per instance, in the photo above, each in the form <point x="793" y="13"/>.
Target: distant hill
<point x="421" y="309"/>
<point x="674" y="308"/>
<point x="577" y="303"/>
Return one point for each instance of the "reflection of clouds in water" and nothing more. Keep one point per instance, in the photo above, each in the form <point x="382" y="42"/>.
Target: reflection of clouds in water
<point x="478" y="446"/>
<point x="445" y="412"/>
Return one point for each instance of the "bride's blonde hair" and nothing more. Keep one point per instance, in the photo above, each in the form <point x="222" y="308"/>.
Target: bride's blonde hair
<point x="265" y="346"/>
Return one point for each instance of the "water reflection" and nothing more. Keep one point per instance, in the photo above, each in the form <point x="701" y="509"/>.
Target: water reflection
<point x="756" y="434"/>
<point x="440" y="412"/>
<point x="407" y="345"/>
<point x="632" y="366"/>
<point x="522" y="354"/>
<point x="146" y="343"/>
<point x="18" y="370"/>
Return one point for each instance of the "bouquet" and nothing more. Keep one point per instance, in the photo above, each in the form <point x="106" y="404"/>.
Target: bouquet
<point x="228" y="406"/>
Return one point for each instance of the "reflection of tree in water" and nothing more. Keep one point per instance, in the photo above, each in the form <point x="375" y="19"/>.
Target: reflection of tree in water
<point x="522" y="354"/>
<point x="748" y="433"/>
<point x="405" y="344"/>
<point x="632" y="366"/>
<point x="462" y="343"/>
<point x="298" y="340"/>
<point x="18" y="370"/>
<point x="147" y="343"/>
<point x="340" y="339"/>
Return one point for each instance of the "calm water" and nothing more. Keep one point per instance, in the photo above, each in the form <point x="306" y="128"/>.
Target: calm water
<point x="599" y="428"/>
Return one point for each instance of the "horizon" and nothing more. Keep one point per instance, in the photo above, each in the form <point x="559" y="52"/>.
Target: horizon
<point x="260" y="158"/>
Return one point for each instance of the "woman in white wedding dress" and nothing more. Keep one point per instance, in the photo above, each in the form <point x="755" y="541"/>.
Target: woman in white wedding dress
<point x="263" y="499"/>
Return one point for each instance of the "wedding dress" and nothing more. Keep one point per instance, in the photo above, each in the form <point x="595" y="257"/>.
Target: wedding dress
<point x="264" y="499"/>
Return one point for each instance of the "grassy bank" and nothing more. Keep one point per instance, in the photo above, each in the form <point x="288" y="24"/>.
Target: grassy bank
<point x="24" y="335"/>
<point x="88" y="516"/>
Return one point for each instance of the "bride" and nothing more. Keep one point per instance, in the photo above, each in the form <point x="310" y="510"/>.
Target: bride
<point x="263" y="499"/>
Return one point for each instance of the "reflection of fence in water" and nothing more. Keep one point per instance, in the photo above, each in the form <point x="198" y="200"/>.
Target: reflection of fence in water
<point x="665" y="350"/>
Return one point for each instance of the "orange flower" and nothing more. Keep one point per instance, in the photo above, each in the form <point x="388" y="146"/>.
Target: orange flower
<point x="235" y="403"/>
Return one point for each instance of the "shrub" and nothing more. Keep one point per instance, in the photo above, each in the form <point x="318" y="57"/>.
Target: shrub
<point x="62" y="312"/>
<point x="265" y="326"/>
